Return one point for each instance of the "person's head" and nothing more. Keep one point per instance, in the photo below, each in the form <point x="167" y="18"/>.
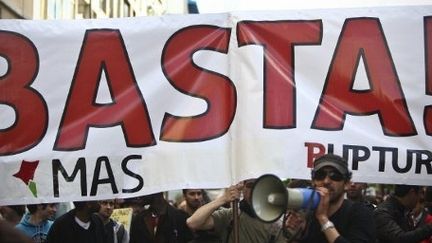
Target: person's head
<point x="193" y="197"/>
<point x="331" y="171"/>
<point x="44" y="210"/>
<point x="153" y="199"/>
<point x="135" y="203"/>
<point x="106" y="208"/>
<point x="12" y="213"/>
<point x="87" y="206"/>
<point x="356" y="190"/>
<point x="408" y="195"/>
<point x="10" y="234"/>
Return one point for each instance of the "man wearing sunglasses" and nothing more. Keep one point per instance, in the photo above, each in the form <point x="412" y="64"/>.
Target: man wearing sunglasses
<point x="336" y="219"/>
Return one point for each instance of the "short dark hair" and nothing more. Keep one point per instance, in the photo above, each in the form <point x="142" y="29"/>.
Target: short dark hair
<point x="401" y="190"/>
<point x="32" y="208"/>
<point x="79" y="204"/>
<point x="185" y="190"/>
<point x="19" y="209"/>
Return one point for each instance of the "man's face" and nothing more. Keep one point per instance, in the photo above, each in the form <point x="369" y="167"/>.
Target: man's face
<point x="414" y="197"/>
<point x="333" y="180"/>
<point x="194" y="198"/>
<point x="355" y="190"/>
<point x="49" y="210"/>
<point x="106" y="208"/>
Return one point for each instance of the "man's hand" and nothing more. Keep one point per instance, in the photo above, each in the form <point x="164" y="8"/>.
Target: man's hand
<point x="321" y="212"/>
<point x="232" y="193"/>
<point x="295" y="221"/>
<point x="202" y="220"/>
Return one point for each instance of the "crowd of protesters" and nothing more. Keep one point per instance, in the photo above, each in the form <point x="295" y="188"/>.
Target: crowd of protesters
<point x="345" y="213"/>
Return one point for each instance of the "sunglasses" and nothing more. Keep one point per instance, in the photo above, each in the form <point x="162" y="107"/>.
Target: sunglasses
<point x="333" y="175"/>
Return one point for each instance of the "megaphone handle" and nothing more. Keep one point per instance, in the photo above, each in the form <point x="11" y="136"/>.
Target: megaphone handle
<point x="235" y="214"/>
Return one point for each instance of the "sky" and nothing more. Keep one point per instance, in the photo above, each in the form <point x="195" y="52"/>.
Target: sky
<point x="218" y="6"/>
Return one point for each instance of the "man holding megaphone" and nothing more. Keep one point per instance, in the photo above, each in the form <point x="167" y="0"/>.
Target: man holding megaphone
<point x="213" y="216"/>
<point x="335" y="219"/>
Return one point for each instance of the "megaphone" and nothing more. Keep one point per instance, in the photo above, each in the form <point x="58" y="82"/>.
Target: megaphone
<point x="270" y="199"/>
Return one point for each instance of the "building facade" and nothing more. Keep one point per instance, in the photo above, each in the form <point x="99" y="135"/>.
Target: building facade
<point x="85" y="9"/>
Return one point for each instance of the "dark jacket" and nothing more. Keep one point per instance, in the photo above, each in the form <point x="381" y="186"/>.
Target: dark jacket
<point x="353" y="221"/>
<point x="393" y="224"/>
<point x="66" y="230"/>
<point x="171" y="228"/>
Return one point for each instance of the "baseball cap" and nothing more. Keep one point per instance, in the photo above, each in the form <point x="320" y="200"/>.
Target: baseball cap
<point x="334" y="161"/>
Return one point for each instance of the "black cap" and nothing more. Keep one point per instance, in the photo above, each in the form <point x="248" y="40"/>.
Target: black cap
<point x="335" y="161"/>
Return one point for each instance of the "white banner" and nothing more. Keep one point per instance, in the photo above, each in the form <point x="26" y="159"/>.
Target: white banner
<point x="94" y="109"/>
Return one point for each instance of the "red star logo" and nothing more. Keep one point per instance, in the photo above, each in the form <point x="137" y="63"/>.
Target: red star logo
<point x="27" y="170"/>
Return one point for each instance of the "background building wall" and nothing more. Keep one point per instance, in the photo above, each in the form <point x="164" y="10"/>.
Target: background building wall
<point x="16" y="9"/>
<point x="79" y="9"/>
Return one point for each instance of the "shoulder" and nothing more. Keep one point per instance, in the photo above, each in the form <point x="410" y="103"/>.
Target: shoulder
<point x="20" y="226"/>
<point x="388" y="207"/>
<point x="182" y="205"/>
<point x="364" y="206"/>
<point x="222" y="213"/>
<point x="96" y="219"/>
<point x="177" y="212"/>
<point x="363" y="212"/>
<point x="62" y="225"/>
<point x="67" y="217"/>
<point x="117" y="226"/>
<point x="355" y="210"/>
<point x="48" y="224"/>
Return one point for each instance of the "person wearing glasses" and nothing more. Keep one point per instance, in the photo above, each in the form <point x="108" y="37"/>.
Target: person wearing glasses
<point x="114" y="231"/>
<point x="335" y="219"/>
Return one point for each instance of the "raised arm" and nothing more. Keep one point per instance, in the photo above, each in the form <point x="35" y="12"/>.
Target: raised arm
<point x="202" y="220"/>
